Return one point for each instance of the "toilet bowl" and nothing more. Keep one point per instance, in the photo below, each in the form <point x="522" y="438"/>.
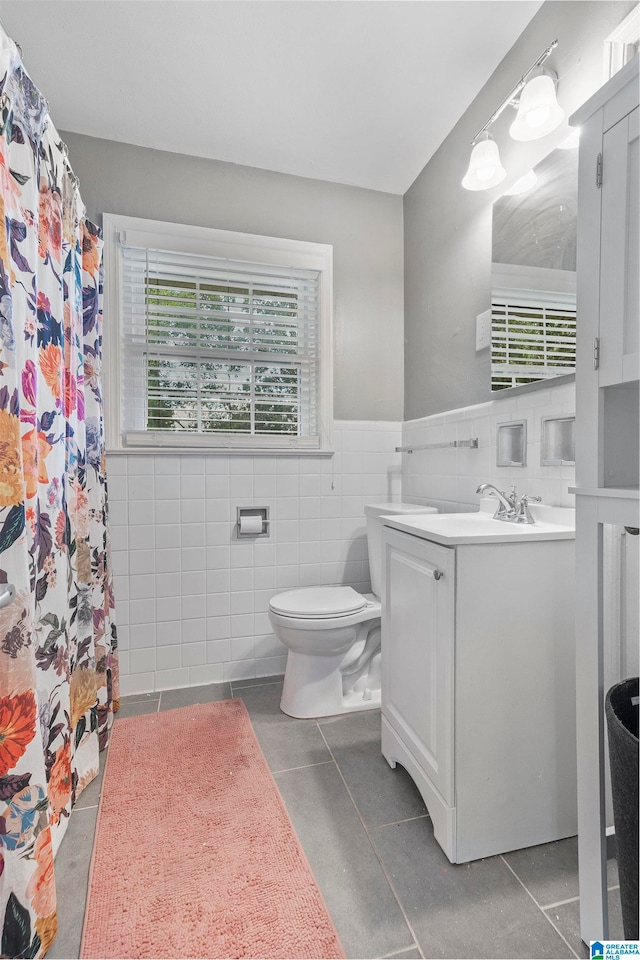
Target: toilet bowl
<point x="333" y="636"/>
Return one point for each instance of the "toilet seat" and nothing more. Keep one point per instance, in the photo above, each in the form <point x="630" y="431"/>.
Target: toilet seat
<point x="318" y="603"/>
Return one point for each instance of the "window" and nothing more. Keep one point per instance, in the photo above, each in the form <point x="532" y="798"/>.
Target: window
<point x="222" y="339"/>
<point x="532" y="337"/>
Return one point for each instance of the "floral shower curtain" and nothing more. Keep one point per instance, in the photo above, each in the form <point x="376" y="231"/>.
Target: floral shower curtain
<point x="58" y="660"/>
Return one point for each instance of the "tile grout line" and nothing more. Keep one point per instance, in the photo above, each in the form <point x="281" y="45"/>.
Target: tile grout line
<point x="390" y="956"/>
<point x="529" y="894"/>
<point x="394" y="823"/>
<point x="304" y="766"/>
<point x="563" y="903"/>
<point x="560" y="903"/>
<point x="250" y="686"/>
<point x="144" y="698"/>
<point x="373" y="847"/>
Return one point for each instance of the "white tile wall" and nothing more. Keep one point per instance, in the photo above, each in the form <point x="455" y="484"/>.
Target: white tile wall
<point x="191" y="600"/>
<point x="449" y="477"/>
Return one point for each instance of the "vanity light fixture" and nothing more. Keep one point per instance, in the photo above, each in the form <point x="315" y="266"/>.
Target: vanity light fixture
<point x="538" y="110"/>
<point x="485" y="169"/>
<point x="525" y="183"/>
<point x="539" y="113"/>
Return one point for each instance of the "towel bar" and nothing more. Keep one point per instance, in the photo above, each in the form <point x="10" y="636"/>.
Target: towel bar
<point x="410" y="448"/>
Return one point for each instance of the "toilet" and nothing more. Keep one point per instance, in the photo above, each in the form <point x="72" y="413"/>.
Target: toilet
<point x="333" y="636"/>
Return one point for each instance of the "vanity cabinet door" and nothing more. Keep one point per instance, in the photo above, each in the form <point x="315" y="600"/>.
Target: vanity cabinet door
<point x="418" y="652"/>
<point x="620" y="255"/>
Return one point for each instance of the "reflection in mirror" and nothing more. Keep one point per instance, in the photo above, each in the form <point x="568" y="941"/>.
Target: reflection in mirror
<point x="533" y="281"/>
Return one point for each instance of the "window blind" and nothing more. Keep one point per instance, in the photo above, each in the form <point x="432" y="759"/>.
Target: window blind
<point x="532" y="338"/>
<point x="219" y="352"/>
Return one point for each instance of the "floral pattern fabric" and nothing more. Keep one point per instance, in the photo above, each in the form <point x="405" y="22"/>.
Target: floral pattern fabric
<point x="58" y="647"/>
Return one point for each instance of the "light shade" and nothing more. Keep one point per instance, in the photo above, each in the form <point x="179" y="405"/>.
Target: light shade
<point x="538" y="110"/>
<point x="525" y="183"/>
<point x="485" y="170"/>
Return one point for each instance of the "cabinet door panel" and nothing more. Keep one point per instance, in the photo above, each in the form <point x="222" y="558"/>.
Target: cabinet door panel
<point x="619" y="254"/>
<point x="418" y="650"/>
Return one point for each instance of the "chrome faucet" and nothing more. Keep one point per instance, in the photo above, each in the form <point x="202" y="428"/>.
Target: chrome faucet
<point x="506" y="509"/>
<point x="509" y="507"/>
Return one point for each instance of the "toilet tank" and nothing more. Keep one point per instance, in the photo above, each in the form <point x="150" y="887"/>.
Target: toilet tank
<point x="373" y="512"/>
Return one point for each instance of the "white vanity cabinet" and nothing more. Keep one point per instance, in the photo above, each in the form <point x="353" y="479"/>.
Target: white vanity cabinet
<point x="478" y="680"/>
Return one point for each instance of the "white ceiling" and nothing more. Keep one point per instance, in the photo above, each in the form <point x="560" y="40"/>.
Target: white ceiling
<point x="354" y="91"/>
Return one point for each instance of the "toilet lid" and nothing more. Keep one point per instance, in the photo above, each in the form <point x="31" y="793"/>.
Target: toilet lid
<point x="318" y="602"/>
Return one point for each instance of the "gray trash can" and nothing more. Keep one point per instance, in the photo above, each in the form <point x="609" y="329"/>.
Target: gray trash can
<point x="622" y="725"/>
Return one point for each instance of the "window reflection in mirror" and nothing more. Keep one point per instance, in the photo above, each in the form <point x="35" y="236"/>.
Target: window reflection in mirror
<point x="533" y="283"/>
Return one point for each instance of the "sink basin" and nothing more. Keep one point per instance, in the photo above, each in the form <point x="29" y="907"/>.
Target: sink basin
<point x="551" y="523"/>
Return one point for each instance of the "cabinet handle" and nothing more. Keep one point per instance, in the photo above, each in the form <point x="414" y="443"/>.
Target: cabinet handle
<point x="437" y="574"/>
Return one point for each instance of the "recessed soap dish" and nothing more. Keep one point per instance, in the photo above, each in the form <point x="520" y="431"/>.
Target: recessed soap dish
<point x="557" y="441"/>
<point x="511" y="443"/>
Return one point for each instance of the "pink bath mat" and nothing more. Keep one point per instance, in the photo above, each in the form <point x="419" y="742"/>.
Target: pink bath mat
<point x="195" y="855"/>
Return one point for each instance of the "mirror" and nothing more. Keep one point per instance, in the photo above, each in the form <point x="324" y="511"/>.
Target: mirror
<point x="533" y="276"/>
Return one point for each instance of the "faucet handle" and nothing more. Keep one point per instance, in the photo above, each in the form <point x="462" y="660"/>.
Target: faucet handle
<point x="523" y="512"/>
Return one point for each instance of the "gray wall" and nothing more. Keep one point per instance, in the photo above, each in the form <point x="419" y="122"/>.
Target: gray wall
<point x="447" y="229"/>
<point x="364" y="226"/>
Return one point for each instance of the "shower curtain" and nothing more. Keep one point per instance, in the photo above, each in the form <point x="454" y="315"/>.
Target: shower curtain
<point x="58" y="660"/>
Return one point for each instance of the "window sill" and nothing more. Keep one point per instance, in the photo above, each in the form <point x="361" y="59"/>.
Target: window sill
<point x="179" y="451"/>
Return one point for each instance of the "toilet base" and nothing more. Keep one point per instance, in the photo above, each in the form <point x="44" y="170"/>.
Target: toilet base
<point x="350" y="703"/>
<point x="327" y="686"/>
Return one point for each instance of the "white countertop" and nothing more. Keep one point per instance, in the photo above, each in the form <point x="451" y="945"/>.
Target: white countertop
<point x="450" y="529"/>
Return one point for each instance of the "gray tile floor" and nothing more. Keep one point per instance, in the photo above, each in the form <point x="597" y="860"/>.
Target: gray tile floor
<point x="367" y="835"/>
